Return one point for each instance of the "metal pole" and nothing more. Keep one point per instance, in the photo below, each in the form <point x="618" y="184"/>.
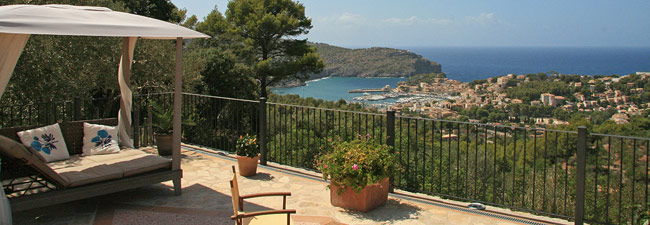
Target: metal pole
<point x="580" y="176"/>
<point x="390" y="138"/>
<point x="262" y="130"/>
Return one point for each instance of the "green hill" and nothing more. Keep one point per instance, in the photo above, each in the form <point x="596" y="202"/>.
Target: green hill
<point x="372" y="62"/>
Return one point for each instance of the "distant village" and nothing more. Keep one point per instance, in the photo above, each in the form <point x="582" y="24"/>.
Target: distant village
<point x="440" y="98"/>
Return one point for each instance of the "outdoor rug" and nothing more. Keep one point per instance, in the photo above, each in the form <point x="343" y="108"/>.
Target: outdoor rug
<point x="123" y="214"/>
<point x="126" y="214"/>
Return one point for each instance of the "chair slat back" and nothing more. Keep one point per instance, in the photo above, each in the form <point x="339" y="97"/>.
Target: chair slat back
<point x="234" y="190"/>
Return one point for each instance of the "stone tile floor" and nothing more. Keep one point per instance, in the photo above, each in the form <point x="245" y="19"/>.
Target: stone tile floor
<point x="206" y="189"/>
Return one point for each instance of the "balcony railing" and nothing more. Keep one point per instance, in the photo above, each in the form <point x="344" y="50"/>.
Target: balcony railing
<point x="575" y="175"/>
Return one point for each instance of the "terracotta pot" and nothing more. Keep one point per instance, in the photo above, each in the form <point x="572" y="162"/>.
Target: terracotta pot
<point x="164" y="143"/>
<point x="247" y="165"/>
<point x="369" y="198"/>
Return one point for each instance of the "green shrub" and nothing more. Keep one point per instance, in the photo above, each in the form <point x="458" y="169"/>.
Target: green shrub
<point x="357" y="163"/>
<point x="247" y="146"/>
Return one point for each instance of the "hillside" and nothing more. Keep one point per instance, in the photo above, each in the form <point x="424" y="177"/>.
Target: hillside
<point x="372" y="62"/>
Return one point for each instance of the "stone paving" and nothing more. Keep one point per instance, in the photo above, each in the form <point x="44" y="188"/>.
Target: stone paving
<point x="206" y="188"/>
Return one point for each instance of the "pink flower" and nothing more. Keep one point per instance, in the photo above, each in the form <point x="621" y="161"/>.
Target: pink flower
<point x="355" y="167"/>
<point x="368" y="135"/>
<point x="324" y="166"/>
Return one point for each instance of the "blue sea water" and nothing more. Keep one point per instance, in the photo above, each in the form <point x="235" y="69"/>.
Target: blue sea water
<point x="475" y="63"/>
<point x="335" y="88"/>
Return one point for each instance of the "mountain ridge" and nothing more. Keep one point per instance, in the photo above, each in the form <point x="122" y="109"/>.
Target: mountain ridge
<point x="372" y="62"/>
<point x="368" y="62"/>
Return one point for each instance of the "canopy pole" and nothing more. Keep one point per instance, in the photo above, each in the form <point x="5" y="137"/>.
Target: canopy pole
<point x="178" y="97"/>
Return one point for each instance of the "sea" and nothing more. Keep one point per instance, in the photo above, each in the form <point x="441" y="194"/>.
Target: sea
<point x="476" y="63"/>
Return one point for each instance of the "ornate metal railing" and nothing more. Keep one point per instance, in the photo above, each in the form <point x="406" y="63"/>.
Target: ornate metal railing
<point x="575" y="175"/>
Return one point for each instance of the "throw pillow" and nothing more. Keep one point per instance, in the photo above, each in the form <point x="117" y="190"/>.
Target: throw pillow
<point x="47" y="141"/>
<point x="99" y="139"/>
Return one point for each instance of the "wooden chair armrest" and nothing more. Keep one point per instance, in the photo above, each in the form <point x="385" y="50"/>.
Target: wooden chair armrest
<point x="267" y="212"/>
<point x="283" y="194"/>
<point x="265" y="194"/>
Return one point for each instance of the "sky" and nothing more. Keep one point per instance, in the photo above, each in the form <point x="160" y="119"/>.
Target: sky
<point x="469" y="23"/>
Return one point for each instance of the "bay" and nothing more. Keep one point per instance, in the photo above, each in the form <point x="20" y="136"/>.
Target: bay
<point x="335" y="88"/>
<point x="474" y="63"/>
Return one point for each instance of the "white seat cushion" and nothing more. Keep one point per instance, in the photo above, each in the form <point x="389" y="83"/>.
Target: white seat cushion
<point x="96" y="168"/>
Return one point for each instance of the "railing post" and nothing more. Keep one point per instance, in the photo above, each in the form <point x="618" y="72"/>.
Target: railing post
<point x="262" y="130"/>
<point x="149" y="136"/>
<point x="580" y="176"/>
<point x="136" y="127"/>
<point x="77" y="108"/>
<point x="390" y="138"/>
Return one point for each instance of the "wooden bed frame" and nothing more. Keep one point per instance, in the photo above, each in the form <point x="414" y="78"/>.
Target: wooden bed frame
<point x="34" y="190"/>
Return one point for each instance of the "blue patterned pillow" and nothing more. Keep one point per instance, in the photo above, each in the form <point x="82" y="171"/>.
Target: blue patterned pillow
<point x="99" y="139"/>
<point x="48" y="141"/>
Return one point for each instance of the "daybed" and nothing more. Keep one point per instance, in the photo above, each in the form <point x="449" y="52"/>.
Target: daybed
<point x="93" y="177"/>
<point x="30" y="182"/>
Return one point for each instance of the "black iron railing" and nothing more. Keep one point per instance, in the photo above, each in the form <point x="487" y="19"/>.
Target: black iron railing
<point x="57" y="111"/>
<point x="295" y="135"/>
<point x="574" y="175"/>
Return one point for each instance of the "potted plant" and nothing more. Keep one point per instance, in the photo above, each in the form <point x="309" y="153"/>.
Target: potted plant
<point x="359" y="172"/>
<point x="248" y="152"/>
<point x="164" y="123"/>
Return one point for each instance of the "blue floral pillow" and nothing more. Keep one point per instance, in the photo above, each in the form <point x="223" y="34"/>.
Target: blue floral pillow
<point x="99" y="139"/>
<point x="48" y="141"/>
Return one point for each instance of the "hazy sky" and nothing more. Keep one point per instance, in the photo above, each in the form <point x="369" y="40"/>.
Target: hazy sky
<point x="365" y="23"/>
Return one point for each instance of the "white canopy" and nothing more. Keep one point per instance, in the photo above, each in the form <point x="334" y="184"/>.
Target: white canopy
<point x="17" y="22"/>
<point x="86" y="21"/>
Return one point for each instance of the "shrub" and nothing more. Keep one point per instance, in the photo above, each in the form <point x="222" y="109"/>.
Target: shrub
<point x="357" y="163"/>
<point x="247" y="146"/>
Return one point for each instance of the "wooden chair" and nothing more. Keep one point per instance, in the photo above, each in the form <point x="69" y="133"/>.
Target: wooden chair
<point x="260" y="217"/>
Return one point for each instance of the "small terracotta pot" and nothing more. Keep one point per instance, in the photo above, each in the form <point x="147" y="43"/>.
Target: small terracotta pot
<point x="247" y="165"/>
<point x="369" y="198"/>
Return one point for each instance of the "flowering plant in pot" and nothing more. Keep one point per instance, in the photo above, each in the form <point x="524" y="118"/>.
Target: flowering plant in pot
<point x="358" y="171"/>
<point x="248" y="152"/>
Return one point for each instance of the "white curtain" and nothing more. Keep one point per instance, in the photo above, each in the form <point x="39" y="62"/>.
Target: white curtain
<point x="5" y="208"/>
<point x="124" y="116"/>
<point x="12" y="46"/>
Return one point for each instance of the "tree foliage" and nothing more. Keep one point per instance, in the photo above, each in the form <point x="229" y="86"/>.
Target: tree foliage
<point x="269" y="27"/>
<point x="426" y="77"/>
<point x="530" y="91"/>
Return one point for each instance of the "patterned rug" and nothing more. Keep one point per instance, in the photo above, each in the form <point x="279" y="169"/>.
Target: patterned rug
<point x="123" y="214"/>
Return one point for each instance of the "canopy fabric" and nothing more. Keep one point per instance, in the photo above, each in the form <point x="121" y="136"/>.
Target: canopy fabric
<point x="86" y="21"/>
<point x="5" y="208"/>
<point x="12" y="45"/>
<point x="124" y="79"/>
<point x="17" y="22"/>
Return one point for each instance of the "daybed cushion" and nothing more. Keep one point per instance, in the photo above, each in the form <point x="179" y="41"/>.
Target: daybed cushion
<point x="96" y="168"/>
<point x="48" y="141"/>
<point x="78" y="160"/>
<point x="99" y="139"/>
<point x="18" y="151"/>
<point x="89" y="173"/>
